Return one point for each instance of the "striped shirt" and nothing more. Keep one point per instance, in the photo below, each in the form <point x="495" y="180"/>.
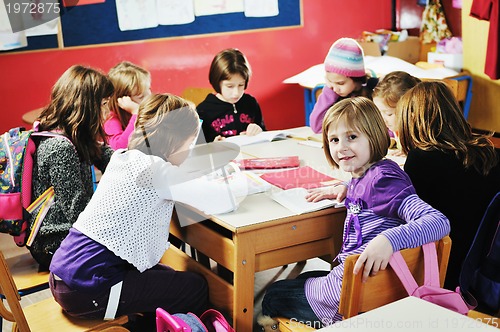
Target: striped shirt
<point x="382" y="201"/>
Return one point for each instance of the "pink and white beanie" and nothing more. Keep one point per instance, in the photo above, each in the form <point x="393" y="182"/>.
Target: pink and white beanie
<point x="345" y="57"/>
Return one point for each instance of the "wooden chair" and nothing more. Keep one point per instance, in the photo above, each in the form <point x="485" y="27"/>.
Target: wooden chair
<point x="196" y="95"/>
<point x="357" y="297"/>
<point x="24" y="269"/>
<point x="45" y="315"/>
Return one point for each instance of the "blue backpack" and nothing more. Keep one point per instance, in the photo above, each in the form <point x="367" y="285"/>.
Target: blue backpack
<point x="16" y="204"/>
<point x="480" y="274"/>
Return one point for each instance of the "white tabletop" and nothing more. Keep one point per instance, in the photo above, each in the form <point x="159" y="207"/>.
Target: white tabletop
<point x="410" y="314"/>
<point x="259" y="208"/>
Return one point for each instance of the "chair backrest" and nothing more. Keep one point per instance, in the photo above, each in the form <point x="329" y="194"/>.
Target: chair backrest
<point x="40" y="311"/>
<point x="385" y="287"/>
<point x="196" y="95"/>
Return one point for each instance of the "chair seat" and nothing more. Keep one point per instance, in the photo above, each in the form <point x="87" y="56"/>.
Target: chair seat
<point x="287" y="325"/>
<point x="47" y="315"/>
<point x="24" y="269"/>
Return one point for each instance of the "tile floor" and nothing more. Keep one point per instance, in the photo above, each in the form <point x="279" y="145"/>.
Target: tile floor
<point x="262" y="279"/>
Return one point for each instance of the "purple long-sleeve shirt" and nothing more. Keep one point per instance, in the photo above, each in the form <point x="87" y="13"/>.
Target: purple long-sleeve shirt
<point x="384" y="201"/>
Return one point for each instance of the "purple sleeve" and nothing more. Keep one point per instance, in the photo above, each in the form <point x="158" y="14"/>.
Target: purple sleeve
<point x="325" y="100"/>
<point x="117" y="137"/>
<point x="423" y="224"/>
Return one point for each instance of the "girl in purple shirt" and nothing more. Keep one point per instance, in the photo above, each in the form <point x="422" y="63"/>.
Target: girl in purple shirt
<point x="384" y="215"/>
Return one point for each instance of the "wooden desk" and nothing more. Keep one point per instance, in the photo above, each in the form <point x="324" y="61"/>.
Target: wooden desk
<point x="260" y="235"/>
<point x="31" y="116"/>
<point x="410" y="314"/>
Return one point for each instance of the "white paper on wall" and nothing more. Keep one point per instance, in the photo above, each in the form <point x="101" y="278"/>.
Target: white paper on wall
<point x="49" y="28"/>
<point x="8" y="39"/>
<point x="213" y="7"/>
<point x="261" y="8"/>
<point x="175" y="11"/>
<point x="136" y="14"/>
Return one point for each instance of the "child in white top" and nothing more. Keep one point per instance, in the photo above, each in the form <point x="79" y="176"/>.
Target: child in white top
<point x="120" y="237"/>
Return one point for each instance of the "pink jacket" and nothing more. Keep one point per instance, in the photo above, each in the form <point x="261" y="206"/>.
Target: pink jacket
<point x="117" y="136"/>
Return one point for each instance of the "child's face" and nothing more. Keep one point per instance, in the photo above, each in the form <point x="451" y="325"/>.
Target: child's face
<point x="341" y="85"/>
<point x="233" y="88"/>
<point x="349" y="148"/>
<point x="179" y="156"/>
<point x="140" y="97"/>
<point x="388" y="113"/>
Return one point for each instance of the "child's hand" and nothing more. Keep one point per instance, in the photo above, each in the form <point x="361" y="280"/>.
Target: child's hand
<point x="253" y="130"/>
<point x="337" y="192"/>
<point x="128" y="104"/>
<point x="375" y="257"/>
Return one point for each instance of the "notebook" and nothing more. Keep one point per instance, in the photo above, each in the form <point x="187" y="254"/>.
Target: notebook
<point x="269" y="163"/>
<point x="294" y="200"/>
<point x="304" y="177"/>
<point x="265" y="136"/>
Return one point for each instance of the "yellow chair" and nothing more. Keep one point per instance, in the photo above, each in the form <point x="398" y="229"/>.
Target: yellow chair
<point x="357" y="297"/>
<point x="46" y="315"/>
<point x="196" y="95"/>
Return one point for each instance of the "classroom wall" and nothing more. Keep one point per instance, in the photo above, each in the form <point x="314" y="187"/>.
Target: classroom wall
<point x="175" y="64"/>
<point x="485" y="109"/>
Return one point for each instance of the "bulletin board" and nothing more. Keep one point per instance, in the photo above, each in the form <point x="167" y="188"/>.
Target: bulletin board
<point x="96" y="24"/>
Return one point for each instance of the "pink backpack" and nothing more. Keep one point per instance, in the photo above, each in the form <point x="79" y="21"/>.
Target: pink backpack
<point x="430" y="291"/>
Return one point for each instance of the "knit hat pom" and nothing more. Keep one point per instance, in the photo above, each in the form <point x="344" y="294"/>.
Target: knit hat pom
<point x="345" y="58"/>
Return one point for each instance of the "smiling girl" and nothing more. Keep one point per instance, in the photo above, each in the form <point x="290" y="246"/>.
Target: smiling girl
<point x="384" y="214"/>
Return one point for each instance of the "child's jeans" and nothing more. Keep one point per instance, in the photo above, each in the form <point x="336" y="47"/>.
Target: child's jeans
<point x="287" y="298"/>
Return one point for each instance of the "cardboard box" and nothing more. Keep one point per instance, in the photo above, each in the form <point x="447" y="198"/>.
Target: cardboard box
<point x="452" y="61"/>
<point x="408" y="50"/>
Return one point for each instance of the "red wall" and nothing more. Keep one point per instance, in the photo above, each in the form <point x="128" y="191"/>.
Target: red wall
<point x="178" y="63"/>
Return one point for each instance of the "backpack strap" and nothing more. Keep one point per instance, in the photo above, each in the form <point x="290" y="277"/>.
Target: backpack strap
<point x="401" y="269"/>
<point x="431" y="270"/>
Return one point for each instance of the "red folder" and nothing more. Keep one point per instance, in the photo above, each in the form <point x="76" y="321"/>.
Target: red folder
<point x="269" y="163"/>
<point x="305" y="177"/>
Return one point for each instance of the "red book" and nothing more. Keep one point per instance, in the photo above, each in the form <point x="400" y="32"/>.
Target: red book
<point x="269" y="163"/>
<point x="304" y="177"/>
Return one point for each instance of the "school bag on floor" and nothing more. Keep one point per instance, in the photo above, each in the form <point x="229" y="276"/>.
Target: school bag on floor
<point x="210" y="321"/>
<point x="431" y="290"/>
<point x="17" y="149"/>
<point x="480" y="275"/>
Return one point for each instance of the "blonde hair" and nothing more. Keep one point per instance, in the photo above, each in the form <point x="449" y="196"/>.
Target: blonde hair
<point x="164" y="123"/>
<point x="75" y="109"/>
<point x="393" y="86"/>
<point x="430" y="118"/>
<point x="358" y="113"/>
<point x="128" y="80"/>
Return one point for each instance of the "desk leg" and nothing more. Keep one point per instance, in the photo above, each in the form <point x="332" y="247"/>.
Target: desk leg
<point x="244" y="282"/>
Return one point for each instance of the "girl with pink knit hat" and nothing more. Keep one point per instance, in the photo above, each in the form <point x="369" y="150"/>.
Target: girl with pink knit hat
<point x="345" y="77"/>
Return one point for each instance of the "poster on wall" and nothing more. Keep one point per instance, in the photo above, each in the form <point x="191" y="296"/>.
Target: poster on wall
<point x="261" y="8"/>
<point x="171" y="12"/>
<point x="214" y="7"/>
<point x="8" y="39"/>
<point x="136" y="14"/>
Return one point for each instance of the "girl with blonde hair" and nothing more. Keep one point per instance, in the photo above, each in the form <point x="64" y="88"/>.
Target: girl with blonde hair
<point x="132" y="84"/>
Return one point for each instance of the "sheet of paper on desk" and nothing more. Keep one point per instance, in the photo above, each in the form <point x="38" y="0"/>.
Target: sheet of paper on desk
<point x="265" y="136"/>
<point x="294" y="200"/>
<point x="304" y="133"/>
<point x="303" y="177"/>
